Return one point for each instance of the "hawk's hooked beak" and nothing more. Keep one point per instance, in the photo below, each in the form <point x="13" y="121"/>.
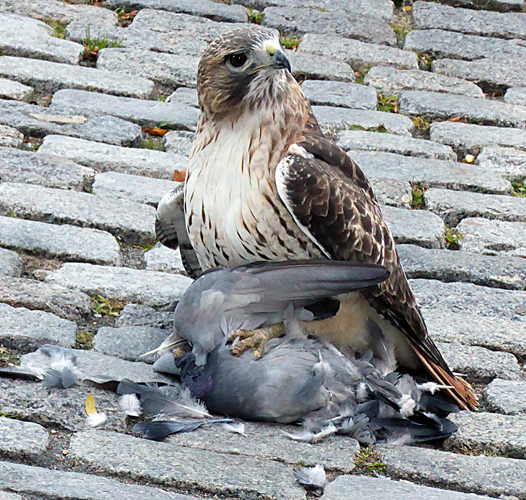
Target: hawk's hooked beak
<point x="281" y="61"/>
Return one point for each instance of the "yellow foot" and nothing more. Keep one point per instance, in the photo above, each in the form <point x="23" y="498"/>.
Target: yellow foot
<point x="255" y="339"/>
<point x="178" y="352"/>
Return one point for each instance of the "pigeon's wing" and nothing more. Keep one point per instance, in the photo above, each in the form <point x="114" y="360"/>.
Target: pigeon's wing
<point x="170" y="229"/>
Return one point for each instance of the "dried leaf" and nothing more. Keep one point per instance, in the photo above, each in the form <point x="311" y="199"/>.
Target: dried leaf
<point x="156" y="131"/>
<point x="179" y="175"/>
<point x="455" y="119"/>
<point x="89" y="405"/>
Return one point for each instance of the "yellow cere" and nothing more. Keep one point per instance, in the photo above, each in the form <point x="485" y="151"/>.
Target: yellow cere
<point x="272" y="48"/>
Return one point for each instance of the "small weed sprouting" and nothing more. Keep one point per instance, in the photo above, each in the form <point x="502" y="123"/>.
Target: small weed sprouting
<point x="368" y="462"/>
<point x="387" y="103"/>
<point x="59" y="29"/>
<point x="417" y="195"/>
<point x="424" y="61"/>
<point x="151" y="144"/>
<point x="103" y="306"/>
<point x="380" y="129"/>
<point x="422" y="125"/>
<point x="452" y="238"/>
<point x="8" y="357"/>
<point x="92" y="46"/>
<point x="254" y="16"/>
<point x="85" y="340"/>
<point x="519" y="189"/>
<point x="289" y="42"/>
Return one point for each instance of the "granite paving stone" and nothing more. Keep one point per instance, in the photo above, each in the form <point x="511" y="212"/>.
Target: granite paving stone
<point x="59" y="241"/>
<point x="414" y="226"/>
<point x="468" y="137"/>
<point x="38" y="121"/>
<point x="474" y="474"/>
<point x="390" y="143"/>
<point x="98" y="367"/>
<point x="62" y="12"/>
<point x="336" y="118"/>
<point x="105" y="157"/>
<point x="505" y="73"/>
<point x="479" y="364"/>
<point x="10" y="137"/>
<point x="10" y="263"/>
<point x="467" y="297"/>
<point x="453" y="206"/>
<point x="51" y="76"/>
<point x="267" y="441"/>
<point x="9" y="496"/>
<point x="516" y="96"/>
<point x="178" y="142"/>
<point x="379" y="488"/>
<point x="437" y="105"/>
<point x="145" y="113"/>
<point x="205" y="8"/>
<point x="430" y="172"/>
<point x="74" y="485"/>
<point x="184" y="95"/>
<point x="508" y="162"/>
<point x="161" y="258"/>
<point x="360" y="55"/>
<point x="376" y="8"/>
<point x="347" y="95"/>
<point x="447" y="44"/>
<point x="140" y="315"/>
<point x="132" y="187"/>
<point x="392" y="81"/>
<point x="14" y="90"/>
<point x="498" y="5"/>
<point x="168" y="70"/>
<point x="128" y="342"/>
<point x="493" y="237"/>
<point x="496" y="334"/>
<point x="450" y="265"/>
<point x="59" y="408"/>
<point x="316" y="67"/>
<point x="170" y="464"/>
<point x="298" y="21"/>
<point x="130" y="221"/>
<point x="392" y="192"/>
<point x="31" y="294"/>
<point x="130" y="285"/>
<point x="500" y="25"/>
<point x="506" y="396"/>
<point x="43" y="170"/>
<point x="25" y="37"/>
<point x="22" y="439"/>
<point x="25" y="329"/>
<point x="502" y="434"/>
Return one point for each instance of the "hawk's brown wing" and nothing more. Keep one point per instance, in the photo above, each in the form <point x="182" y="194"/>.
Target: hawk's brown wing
<point x="332" y="201"/>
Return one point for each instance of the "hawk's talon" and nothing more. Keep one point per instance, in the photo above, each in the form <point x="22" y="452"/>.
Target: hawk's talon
<point x="254" y="339"/>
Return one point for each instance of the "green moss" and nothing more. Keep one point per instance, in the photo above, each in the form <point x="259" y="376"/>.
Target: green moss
<point x="422" y="125"/>
<point x="151" y="144"/>
<point x="519" y="189"/>
<point x="254" y="16"/>
<point x="424" y="61"/>
<point x="417" y="195"/>
<point x="289" y="42"/>
<point x="147" y="246"/>
<point x="59" y="29"/>
<point x="381" y="129"/>
<point x="162" y="98"/>
<point x="387" y="103"/>
<point x="368" y="462"/>
<point x="85" y="339"/>
<point x="104" y="306"/>
<point x="452" y="238"/>
<point x="8" y="356"/>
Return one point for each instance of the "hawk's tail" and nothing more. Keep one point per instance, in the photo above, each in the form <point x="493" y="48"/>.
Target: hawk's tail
<point x="460" y="390"/>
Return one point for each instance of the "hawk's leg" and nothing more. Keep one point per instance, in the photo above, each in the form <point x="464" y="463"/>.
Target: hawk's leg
<point x="255" y="339"/>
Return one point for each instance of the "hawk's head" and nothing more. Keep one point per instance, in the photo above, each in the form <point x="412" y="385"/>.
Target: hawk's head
<point x="245" y="67"/>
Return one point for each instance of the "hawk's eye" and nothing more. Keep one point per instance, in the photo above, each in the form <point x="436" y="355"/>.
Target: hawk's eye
<point x="237" y="60"/>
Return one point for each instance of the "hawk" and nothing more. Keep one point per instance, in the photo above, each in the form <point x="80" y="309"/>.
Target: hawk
<point x="264" y="184"/>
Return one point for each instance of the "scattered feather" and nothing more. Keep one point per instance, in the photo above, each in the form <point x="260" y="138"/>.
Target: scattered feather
<point x="313" y="437"/>
<point x="61" y="379"/>
<point x="236" y="428"/>
<point x="312" y="476"/>
<point x="159" y="430"/>
<point x="407" y="405"/>
<point x="170" y="402"/>
<point x="130" y="405"/>
<point x="96" y="419"/>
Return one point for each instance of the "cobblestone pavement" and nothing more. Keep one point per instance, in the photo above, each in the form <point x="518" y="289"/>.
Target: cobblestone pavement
<point x="429" y="99"/>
